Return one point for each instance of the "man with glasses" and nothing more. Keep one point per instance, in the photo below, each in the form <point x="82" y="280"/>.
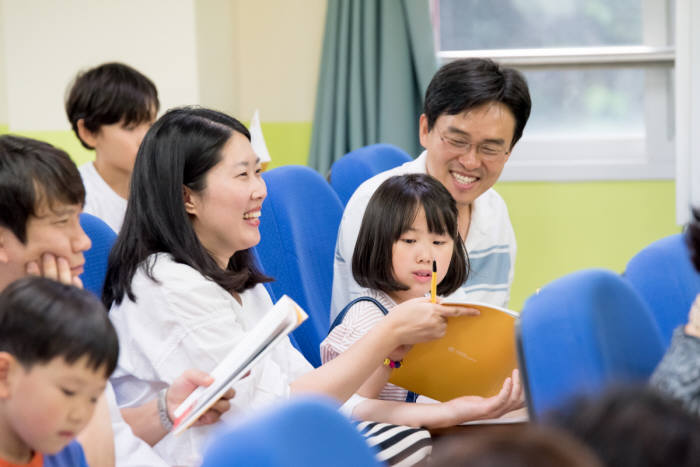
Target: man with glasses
<point x="474" y="113"/>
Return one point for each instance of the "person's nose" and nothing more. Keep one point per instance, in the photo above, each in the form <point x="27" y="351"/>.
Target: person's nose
<point x="80" y="241"/>
<point x="260" y="189"/>
<point x="470" y="159"/>
<point x="424" y="253"/>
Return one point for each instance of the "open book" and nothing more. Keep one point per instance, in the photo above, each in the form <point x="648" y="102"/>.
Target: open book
<point x="279" y="321"/>
<point x="473" y="358"/>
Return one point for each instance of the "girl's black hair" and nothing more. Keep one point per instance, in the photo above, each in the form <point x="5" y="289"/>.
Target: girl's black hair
<point x="391" y="212"/>
<point x="177" y="152"/>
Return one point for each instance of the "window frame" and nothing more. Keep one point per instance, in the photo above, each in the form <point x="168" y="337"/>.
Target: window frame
<point x="608" y="157"/>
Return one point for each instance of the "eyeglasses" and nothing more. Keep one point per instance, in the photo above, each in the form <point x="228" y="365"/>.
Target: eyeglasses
<point x="485" y="150"/>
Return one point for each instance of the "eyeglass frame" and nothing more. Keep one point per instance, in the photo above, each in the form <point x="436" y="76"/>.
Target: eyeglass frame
<point x="466" y="147"/>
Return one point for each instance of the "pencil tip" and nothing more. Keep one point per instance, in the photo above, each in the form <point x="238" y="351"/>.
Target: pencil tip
<point x="434" y="266"/>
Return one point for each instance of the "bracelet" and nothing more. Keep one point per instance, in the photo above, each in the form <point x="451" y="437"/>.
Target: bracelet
<point x="165" y="420"/>
<point x="392" y="363"/>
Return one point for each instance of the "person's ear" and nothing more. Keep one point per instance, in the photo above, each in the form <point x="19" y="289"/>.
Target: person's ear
<point x="189" y="200"/>
<point x="423" y="130"/>
<point x="4" y="255"/>
<point x="86" y="135"/>
<point x="8" y="367"/>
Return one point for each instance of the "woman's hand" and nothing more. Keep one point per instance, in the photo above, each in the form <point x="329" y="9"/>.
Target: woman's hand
<point x="183" y="387"/>
<point x="418" y="320"/>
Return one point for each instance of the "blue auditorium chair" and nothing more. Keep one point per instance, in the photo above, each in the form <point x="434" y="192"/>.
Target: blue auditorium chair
<point x="307" y="432"/>
<point x="582" y="333"/>
<point x="348" y="172"/>
<point x="103" y="238"/>
<point x="665" y="277"/>
<point x="298" y="229"/>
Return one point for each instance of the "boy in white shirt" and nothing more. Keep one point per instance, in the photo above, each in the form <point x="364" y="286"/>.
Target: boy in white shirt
<point x="110" y="108"/>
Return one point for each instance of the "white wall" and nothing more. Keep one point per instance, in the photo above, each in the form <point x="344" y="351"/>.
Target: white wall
<point x="232" y="55"/>
<point x="278" y="52"/>
<point x="3" y="87"/>
<point x="47" y="42"/>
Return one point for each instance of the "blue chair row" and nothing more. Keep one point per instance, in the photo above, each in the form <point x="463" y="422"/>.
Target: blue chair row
<point x="593" y="329"/>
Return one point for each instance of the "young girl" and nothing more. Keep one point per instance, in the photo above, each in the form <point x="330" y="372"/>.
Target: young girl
<point x="410" y="221"/>
<point x="184" y="289"/>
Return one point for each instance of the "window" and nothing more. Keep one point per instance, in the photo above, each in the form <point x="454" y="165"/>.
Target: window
<point x="600" y="74"/>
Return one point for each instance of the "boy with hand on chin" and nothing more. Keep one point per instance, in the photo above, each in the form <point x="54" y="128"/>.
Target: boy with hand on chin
<point x="57" y="350"/>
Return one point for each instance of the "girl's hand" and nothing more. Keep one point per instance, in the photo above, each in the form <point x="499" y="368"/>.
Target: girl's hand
<point x="468" y="408"/>
<point x="418" y="320"/>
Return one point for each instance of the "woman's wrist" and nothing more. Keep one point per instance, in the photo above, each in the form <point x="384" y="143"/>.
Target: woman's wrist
<point x="390" y="336"/>
<point x="163" y="415"/>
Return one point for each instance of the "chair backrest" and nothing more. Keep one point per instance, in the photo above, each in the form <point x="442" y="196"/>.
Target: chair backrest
<point x="348" y="172"/>
<point x="665" y="277"/>
<point x="103" y="238"/>
<point x="581" y="334"/>
<point x="298" y="230"/>
<point x="303" y="431"/>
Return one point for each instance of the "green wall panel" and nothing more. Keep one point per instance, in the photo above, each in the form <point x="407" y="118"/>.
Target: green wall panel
<point x="564" y="227"/>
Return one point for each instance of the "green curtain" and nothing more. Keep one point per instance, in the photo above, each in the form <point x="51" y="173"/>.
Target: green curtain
<point x="378" y="58"/>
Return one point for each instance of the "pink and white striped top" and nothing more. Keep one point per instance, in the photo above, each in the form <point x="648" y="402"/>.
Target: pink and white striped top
<point x="359" y="319"/>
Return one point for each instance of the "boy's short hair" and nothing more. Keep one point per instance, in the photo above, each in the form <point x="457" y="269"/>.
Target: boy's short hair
<point x="390" y="212"/>
<point x="467" y="83"/>
<point x="31" y="173"/>
<point x="41" y="319"/>
<point x="108" y="94"/>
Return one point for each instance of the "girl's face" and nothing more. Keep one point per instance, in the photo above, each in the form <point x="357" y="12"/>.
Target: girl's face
<point x="226" y="214"/>
<point x="412" y="258"/>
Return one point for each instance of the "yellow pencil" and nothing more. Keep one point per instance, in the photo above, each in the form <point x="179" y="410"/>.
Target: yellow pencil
<point x="433" y="284"/>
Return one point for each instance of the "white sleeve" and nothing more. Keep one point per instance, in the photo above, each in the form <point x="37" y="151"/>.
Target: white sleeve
<point x="129" y="450"/>
<point x="349" y="406"/>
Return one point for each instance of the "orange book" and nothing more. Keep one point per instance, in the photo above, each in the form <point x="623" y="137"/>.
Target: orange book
<point x="473" y="358"/>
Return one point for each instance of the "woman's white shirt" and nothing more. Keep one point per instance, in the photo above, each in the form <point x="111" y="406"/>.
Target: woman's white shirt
<point x="185" y="320"/>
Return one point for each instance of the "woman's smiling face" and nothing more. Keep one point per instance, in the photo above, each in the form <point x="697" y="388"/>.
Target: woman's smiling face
<point x="226" y="213"/>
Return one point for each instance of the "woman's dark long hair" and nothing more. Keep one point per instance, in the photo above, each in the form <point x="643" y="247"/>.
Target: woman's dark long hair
<point x="177" y="152"/>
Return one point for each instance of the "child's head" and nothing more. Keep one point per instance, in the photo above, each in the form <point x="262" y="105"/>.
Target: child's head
<point x="57" y="349"/>
<point x="409" y="221"/>
<point x="110" y="108"/>
<point x="41" y="197"/>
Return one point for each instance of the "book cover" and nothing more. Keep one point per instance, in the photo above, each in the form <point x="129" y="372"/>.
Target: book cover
<point x="277" y="323"/>
<point x="474" y="357"/>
